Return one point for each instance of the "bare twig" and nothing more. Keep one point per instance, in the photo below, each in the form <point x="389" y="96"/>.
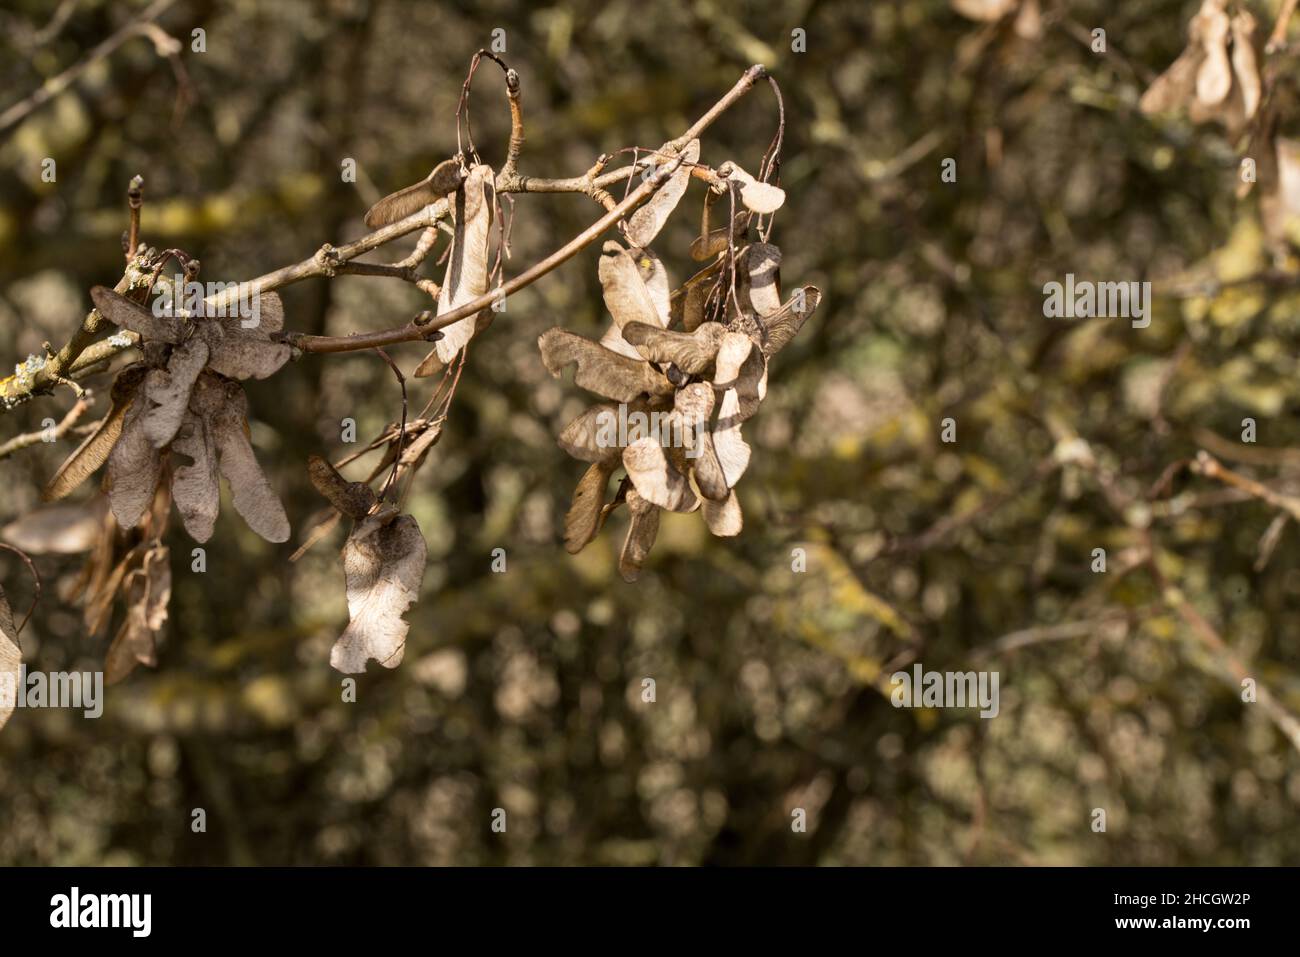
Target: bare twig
<point x="57" y="84"/>
<point x="1277" y="39"/>
<point x="134" y="200"/>
<point x="412" y="332"/>
<point x="1234" y="669"/>
<point x="36" y="578"/>
<point x="1210" y="467"/>
<point x="44" y="435"/>
<point x="401" y="431"/>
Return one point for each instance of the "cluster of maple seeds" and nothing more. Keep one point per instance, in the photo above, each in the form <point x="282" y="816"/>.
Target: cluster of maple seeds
<point x="183" y="396"/>
<point x="699" y="353"/>
<point x="1216" y="78"/>
<point x="666" y="357"/>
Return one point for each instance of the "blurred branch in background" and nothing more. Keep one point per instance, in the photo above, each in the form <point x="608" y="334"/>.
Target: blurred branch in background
<point x="1122" y="596"/>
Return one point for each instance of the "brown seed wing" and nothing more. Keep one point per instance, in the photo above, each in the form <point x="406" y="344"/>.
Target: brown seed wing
<point x="251" y="493"/>
<point x="724" y="518"/>
<point x="445" y="178"/>
<point x="95" y="449"/>
<point x="134" y="468"/>
<point x="641" y="533"/>
<point x="785" y="324"/>
<point x="65" y="529"/>
<point x="598" y="369"/>
<point x="582" y="521"/>
<point x="353" y="499"/>
<point x="383" y="564"/>
<point x="134" y="317"/>
<point x="194" y="486"/>
<point x="466" y="277"/>
<point x="656" y="479"/>
<point x="692" y="352"/>
<point x="167" y="391"/>
<point x="11" y="658"/>
<point x="646" y="222"/>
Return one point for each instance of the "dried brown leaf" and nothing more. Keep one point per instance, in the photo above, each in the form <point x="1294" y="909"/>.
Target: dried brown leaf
<point x="148" y="593"/>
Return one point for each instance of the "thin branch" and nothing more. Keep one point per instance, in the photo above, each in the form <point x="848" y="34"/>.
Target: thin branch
<point x="412" y="332"/>
<point x="516" y="125"/>
<point x="1210" y="467"/>
<point x="44" y="435"/>
<point x="82" y="352"/>
<point x="401" y="430"/>
<point x="57" y="84"/>
<point x="36" y="597"/>
<point x="1064" y="631"/>
<point x="134" y="200"/>
<point x="1277" y="39"/>
<point x="1234" y="669"/>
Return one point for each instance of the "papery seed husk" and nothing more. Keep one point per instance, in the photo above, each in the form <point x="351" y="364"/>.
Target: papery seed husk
<point x="641" y="533"/>
<point x="466" y="277"/>
<point x="724" y="518"/>
<point x="645" y="224"/>
<point x="95" y="450"/>
<point x="445" y="178"/>
<point x="383" y="565"/>
<point x="583" y="520"/>
<point x="599" y="370"/>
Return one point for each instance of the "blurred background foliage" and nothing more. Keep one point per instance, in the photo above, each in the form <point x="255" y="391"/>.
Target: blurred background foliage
<point x="523" y="690"/>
